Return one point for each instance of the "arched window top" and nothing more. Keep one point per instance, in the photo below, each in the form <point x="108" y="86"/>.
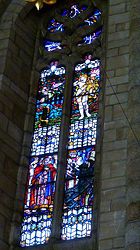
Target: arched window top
<point x="71" y="27"/>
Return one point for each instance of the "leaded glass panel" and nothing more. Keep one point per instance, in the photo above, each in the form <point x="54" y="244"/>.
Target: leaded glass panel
<point x="39" y="200"/>
<point x="79" y="190"/>
<point x="55" y="26"/>
<point x="74" y="11"/>
<point x="60" y="41"/>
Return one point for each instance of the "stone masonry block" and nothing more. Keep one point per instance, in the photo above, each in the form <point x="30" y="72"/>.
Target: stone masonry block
<point x="117" y="9"/>
<point x="110" y="216"/>
<point x="110" y="73"/>
<point x="134" y="95"/>
<point x="110" y="89"/>
<point x="124" y="17"/>
<point x="117" y="80"/>
<point x="11" y="168"/>
<point x="133" y="169"/>
<point x="114" y="145"/>
<point x="123" y="50"/>
<point x="121" y="133"/>
<point x="118" y="168"/>
<point x="115" y="3"/>
<point x="3" y="122"/>
<point x="15" y="132"/>
<point x="106" y="170"/>
<point x="118" y="111"/>
<point x="9" y="149"/>
<point x="108" y="113"/>
<point x="132" y="234"/>
<point x="115" y="99"/>
<point x="118" y="43"/>
<point x="112" y="229"/>
<point x="113" y="52"/>
<point x="6" y="200"/>
<point x="118" y="204"/>
<point x="105" y="244"/>
<point x="122" y="26"/>
<point x="5" y="34"/>
<point x="118" y="35"/>
<point x="113" y="183"/>
<point x="135" y="246"/>
<point x="122" y="61"/>
<point x="113" y="193"/>
<point x="115" y="124"/>
<point x="112" y="28"/>
<point x="2" y="64"/>
<point x="123" y="88"/>
<point x="118" y="242"/>
<point x="4" y="43"/>
<point x="105" y="206"/>
<point x="122" y="71"/>
<point x="8" y="141"/>
<point x="133" y="211"/>
<point x="133" y="191"/>
<point x="7" y="185"/>
<point x="110" y="135"/>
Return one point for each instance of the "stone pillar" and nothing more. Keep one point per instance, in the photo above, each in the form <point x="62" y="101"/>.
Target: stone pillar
<point x="133" y="173"/>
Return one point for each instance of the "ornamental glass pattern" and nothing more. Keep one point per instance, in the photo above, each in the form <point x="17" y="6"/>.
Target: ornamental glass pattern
<point x="39" y="199"/>
<point x="79" y="192"/>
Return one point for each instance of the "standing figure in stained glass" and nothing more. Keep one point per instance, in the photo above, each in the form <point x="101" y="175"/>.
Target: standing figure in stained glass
<point x="44" y="172"/>
<point x="81" y="95"/>
<point x="78" y="188"/>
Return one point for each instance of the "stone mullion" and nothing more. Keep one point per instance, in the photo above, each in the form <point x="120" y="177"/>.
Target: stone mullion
<point x="133" y="194"/>
<point x="62" y="157"/>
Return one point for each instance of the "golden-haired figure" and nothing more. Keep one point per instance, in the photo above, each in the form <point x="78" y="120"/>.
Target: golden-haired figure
<point x="84" y="86"/>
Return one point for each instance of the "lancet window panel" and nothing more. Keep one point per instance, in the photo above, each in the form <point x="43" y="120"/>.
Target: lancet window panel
<point x="39" y="199"/>
<point x="79" y="189"/>
<point x="62" y="29"/>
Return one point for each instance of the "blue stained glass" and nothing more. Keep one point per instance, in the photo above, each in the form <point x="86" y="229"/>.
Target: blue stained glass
<point x="92" y="19"/>
<point x="91" y="38"/>
<point x="39" y="199"/>
<point x="79" y="198"/>
<point x="51" y="46"/>
<point x="55" y="26"/>
<point x="74" y="11"/>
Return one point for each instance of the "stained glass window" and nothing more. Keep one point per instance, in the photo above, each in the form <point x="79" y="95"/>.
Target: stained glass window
<point x="74" y="11"/>
<point x="39" y="200"/>
<point x="55" y="26"/>
<point x="91" y="20"/>
<point x="51" y="45"/>
<point x="79" y="194"/>
<point x="90" y="38"/>
<point x="46" y="160"/>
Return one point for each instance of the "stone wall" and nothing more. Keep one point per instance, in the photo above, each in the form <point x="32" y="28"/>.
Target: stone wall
<point x="118" y="212"/>
<point x="133" y="160"/>
<point x="112" y="217"/>
<point x="16" y="56"/>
